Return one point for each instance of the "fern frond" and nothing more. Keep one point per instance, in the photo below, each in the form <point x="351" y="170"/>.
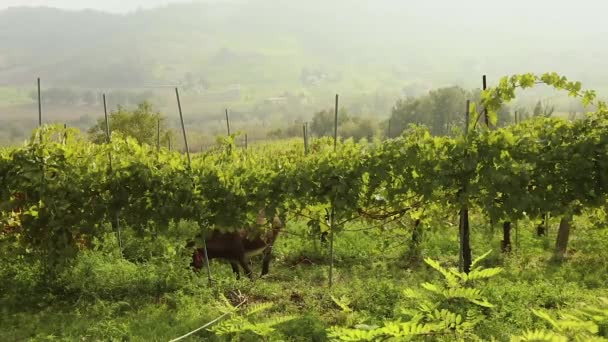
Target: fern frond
<point x="483" y="302"/>
<point x="267" y="327"/>
<point x="470" y="294"/>
<point x="404" y="331"/>
<point x="224" y="305"/>
<point x="578" y="325"/>
<point x="473" y="319"/>
<point x="350" y="335"/>
<point x="432" y="288"/>
<point x="233" y="325"/>
<point x="539" y="336"/>
<point x="366" y="327"/>
<point x="483" y="274"/>
<point x="479" y="259"/>
<point x="256" y="308"/>
<point x="449" y="277"/>
<point x="461" y="275"/>
<point x="446" y="319"/>
<point x="343" y="303"/>
<point x="407" y="329"/>
<point x="413" y="294"/>
<point x="547" y="318"/>
<point x="426" y="306"/>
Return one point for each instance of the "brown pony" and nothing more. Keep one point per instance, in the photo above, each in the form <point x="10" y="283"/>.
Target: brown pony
<point x="237" y="247"/>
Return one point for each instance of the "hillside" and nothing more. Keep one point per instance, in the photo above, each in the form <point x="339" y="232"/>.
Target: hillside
<point x="283" y="61"/>
<point x="267" y="44"/>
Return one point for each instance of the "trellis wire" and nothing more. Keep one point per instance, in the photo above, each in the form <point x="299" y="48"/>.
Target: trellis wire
<point x="207" y="324"/>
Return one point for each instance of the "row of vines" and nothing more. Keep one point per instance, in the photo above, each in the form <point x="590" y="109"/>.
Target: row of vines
<point x="58" y="190"/>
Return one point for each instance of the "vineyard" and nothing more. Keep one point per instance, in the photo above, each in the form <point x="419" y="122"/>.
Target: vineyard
<point x="75" y="212"/>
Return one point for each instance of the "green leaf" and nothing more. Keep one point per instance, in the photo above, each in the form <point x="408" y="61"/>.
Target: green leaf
<point x="492" y="117"/>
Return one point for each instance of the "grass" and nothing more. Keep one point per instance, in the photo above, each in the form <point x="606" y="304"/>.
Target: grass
<point x="105" y="297"/>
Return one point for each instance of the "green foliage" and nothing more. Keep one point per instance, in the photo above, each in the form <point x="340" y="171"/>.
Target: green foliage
<point x="546" y="165"/>
<point x="140" y="124"/>
<point x="323" y="122"/>
<point x="441" y="111"/>
<point x="292" y="131"/>
<point x="248" y="321"/>
<point x="586" y="323"/>
<point x="348" y="126"/>
<point x="152" y="295"/>
<point x="544" y="110"/>
<point x="57" y="197"/>
<point x="453" y="307"/>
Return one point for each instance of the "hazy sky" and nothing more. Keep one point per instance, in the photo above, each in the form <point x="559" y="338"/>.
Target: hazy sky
<point x="500" y="12"/>
<point x="546" y="7"/>
<point x="105" y="5"/>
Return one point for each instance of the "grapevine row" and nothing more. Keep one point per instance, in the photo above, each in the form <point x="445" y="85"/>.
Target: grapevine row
<point x="544" y="165"/>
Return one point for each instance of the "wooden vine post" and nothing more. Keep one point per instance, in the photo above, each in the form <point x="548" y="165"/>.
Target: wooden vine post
<point x="158" y="135"/>
<point x="42" y="165"/>
<point x="563" y="235"/>
<point x="181" y="118"/>
<point x="465" y="258"/>
<point x="333" y="205"/>
<point x="227" y="122"/>
<point x="307" y="141"/>
<point x="39" y="105"/>
<point x="505" y="244"/>
<point x="115" y="219"/>
<point x="305" y="136"/>
<point x="485" y="110"/>
<point x="228" y="131"/>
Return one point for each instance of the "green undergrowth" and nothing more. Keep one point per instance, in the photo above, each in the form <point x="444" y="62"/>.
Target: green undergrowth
<point x="150" y="294"/>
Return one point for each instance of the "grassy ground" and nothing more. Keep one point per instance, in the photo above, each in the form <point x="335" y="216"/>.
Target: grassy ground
<point x="157" y="298"/>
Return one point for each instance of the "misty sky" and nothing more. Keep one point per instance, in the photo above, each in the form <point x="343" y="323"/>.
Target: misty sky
<point x="544" y="17"/>
<point x="104" y="5"/>
<point x="577" y="11"/>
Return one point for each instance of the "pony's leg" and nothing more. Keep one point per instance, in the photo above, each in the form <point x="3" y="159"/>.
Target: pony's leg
<point x="235" y="269"/>
<point x="246" y="267"/>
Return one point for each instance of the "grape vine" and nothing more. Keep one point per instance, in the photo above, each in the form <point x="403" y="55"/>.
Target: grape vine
<point x="543" y="165"/>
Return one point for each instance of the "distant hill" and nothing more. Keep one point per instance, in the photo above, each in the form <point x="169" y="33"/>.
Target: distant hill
<point x="270" y="47"/>
<point x="274" y="63"/>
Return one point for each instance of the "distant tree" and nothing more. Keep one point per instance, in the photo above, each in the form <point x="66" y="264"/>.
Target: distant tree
<point x="323" y="122"/>
<point x="409" y="111"/>
<point x="140" y="124"/>
<point x="291" y="131"/>
<point x="447" y="108"/>
<point x="543" y="110"/>
<point x="521" y="114"/>
<point x="440" y="110"/>
<point x="359" y="128"/>
<point x="57" y="96"/>
<point x="348" y="126"/>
